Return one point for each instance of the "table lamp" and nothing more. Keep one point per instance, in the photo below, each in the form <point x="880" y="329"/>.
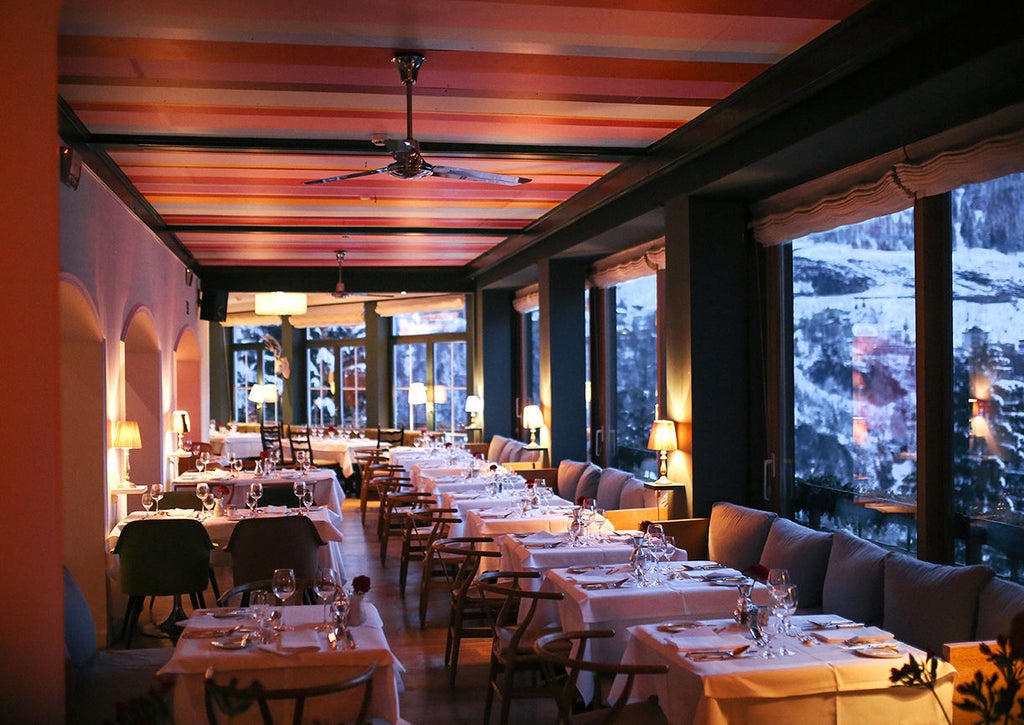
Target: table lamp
<point x="663" y="440"/>
<point x="533" y="419"/>
<point x="181" y="425"/>
<point x="127" y="438"/>
<point x="474" y="406"/>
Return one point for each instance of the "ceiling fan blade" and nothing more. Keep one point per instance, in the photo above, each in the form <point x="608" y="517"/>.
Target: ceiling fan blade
<point x="451" y="172"/>
<point x="347" y="176"/>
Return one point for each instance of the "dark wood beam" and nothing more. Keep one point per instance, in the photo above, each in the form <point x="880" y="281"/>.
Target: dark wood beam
<point x="323" y="279"/>
<point x="365" y="231"/>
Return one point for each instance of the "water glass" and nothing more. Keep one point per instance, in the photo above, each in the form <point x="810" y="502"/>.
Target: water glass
<point x="202" y="489"/>
<point x="283" y="584"/>
<point x="255" y="492"/>
<point x="157" y="492"/>
<point x="299" y="489"/>
<point x="147" y="502"/>
<point x="325" y="584"/>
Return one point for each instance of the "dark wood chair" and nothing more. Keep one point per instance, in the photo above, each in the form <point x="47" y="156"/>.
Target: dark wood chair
<point x="270" y="437"/>
<point x="390" y="436"/>
<point x="422" y="528"/>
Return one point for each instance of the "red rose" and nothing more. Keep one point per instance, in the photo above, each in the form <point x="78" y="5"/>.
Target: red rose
<point x="361" y="584"/>
<point x="644" y="524"/>
<point x="582" y="501"/>
<point x="263" y="454"/>
<point x="758" y="572"/>
<point x="223" y="491"/>
<point x="494" y="466"/>
<point x="448" y="444"/>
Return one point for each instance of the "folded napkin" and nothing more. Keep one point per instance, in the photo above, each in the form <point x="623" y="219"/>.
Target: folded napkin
<point x="542" y="537"/>
<point x="496" y="513"/>
<point x="599" y="577"/>
<point x="692" y="641"/>
<point x="298" y="640"/>
<point x="179" y="513"/>
<point x="276" y="509"/>
<point x="852" y="635"/>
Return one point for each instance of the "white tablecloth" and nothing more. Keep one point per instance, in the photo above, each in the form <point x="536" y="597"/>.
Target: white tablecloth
<point x="819" y="684"/>
<point x="497" y="522"/>
<point x="194" y="654"/>
<point x="340" y="450"/>
<point x="326" y="489"/>
<point x="236" y="445"/>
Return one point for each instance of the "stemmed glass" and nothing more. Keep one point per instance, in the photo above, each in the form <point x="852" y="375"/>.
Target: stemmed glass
<point x="260" y="605"/>
<point x="236" y="466"/>
<point x="656" y="545"/>
<point x="157" y="492"/>
<point x="307" y="499"/>
<point x="299" y="489"/>
<point x="255" y="491"/>
<point x="201" y="462"/>
<point x="147" y="502"/>
<point x="778" y="579"/>
<point x="785" y="602"/>
<point x="209" y="502"/>
<point x="763" y="628"/>
<point x="202" y="489"/>
<point x="668" y="553"/>
<point x="325" y="584"/>
<point x="283" y="585"/>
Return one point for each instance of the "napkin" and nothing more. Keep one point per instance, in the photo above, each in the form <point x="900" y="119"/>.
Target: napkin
<point x="853" y="635"/>
<point x="691" y="642"/>
<point x="276" y="509"/>
<point x="299" y="640"/>
<point x="179" y="513"/>
<point x="541" y="537"/>
<point x="496" y="513"/>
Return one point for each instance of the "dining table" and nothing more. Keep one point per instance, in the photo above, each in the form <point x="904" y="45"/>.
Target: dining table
<point x="327" y="489"/>
<point x="232" y="444"/>
<point x="500" y="521"/>
<point x="296" y="656"/>
<point x="341" y="449"/>
<point x="715" y="676"/>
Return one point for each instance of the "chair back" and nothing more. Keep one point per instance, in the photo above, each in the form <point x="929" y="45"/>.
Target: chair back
<point x="518" y="606"/>
<point x="188" y="463"/>
<point x="232" y="699"/>
<point x="562" y="652"/>
<point x="298" y="440"/>
<point x="270" y="437"/>
<point x="279" y="494"/>
<point x="184" y="499"/>
<point x="259" y="546"/>
<point x="391" y="436"/>
<point x="163" y="557"/>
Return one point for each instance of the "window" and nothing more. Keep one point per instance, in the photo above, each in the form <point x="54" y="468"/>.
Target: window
<point x="988" y="364"/>
<point x="253" y="362"/>
<point x="636" y="364"/>
<point x="531" y="338"/>
<point x="854" y="379"/>
<point x="410" y="367"/>
<point x="450" y="385"/>
<point x="333" y="398"/>
<point x="430" y="348"/>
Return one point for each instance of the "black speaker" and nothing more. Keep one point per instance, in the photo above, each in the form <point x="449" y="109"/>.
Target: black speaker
<point x="214" y="305"/>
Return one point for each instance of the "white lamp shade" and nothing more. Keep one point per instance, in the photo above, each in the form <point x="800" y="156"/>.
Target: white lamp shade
<point x="266" y="393"/>
<point x="532" y="417"/>
<point x="440" y="394"/>
<point x="279" y="303"/>
<point x="474" y="404"/>
<point x="180" y="422"/>
<point x="418" y="394"/>
<point x="663" y="436"/>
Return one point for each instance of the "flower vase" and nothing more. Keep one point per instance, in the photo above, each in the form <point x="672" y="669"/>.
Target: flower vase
<point x="355" y="609"/>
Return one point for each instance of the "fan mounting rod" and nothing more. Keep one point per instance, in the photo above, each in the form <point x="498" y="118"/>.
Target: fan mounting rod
<point x="408" y="69"/>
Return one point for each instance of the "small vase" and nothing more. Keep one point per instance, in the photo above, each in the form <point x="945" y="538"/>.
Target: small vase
<point x="355" y="610"/>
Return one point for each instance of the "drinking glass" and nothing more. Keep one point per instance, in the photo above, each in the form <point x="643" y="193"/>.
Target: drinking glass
<point x="236" y="466"/>
<point x="283" y="584"/>
<point x="202" y="489"/>
<point x="325" y="584"/>
<point x="259" y="603"/>
<point x="209" y="502"/>
<point x="762" y="627"/>
<point x="157" y="492"/>
<point x="147" y="502"/>
<point x="299" y="489"/>
<point x="200" y="463"/>
<point x="255" y="491"/>
<point x="668" y="553"/>
<point x="786" y="603"/>
<point x="307" y="499"/>
<point x="778" y="579"/>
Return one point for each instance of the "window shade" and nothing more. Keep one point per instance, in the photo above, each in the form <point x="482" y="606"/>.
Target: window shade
<point x="340" y="315"/>
<point x="438" y="303"/>
<point x="527" y="299"/>
<point x="629" y="264"/>
<point x="239" y="319"/>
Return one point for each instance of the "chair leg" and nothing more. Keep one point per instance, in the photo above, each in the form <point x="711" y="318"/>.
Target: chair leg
<point x="492" y="679"/>
<point x="131" y="617"/>
<point x="213" y="585"/>
<point x="506" y="695"/>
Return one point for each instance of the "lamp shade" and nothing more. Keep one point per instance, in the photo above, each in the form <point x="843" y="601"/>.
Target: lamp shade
<point x="279" y="303"/>
<point x="266" y="393"/>
<point x="663" y="436"/>
<point x="532" y="417"/>
<point x="180" y="422"/>
<point x="126" y="435"/>
<point x="474" y="404"/>
<point x="418" y="394"/>
<point x="440" y="394"/>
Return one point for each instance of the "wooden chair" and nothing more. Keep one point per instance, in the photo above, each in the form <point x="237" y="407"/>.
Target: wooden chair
<point x="230" y="699"/>
<point x="513" y="638"/>
<point x="396" y="501"/>
<point x="298" y="440"/>
<point x="270" y="437"/>
<point x="365" y="460"/>
<point x="562" y="654"/>
<point x="244" y="591"/>
<point x="390" y="436"/>
<point x="189" y="463"/>
<point x="422" y="528"/>
<point x="470" y="612"/>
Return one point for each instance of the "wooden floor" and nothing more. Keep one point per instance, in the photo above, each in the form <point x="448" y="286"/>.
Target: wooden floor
<point x="427" y="698"/>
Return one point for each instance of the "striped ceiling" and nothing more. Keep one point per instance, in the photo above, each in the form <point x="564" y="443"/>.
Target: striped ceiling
<point x="217" y="111"/>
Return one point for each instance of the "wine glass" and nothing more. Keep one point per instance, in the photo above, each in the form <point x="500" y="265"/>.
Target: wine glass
<point x="157" y="492"/>
<point x="255" y="492"/>
<point x="147" y="502"/>
<point x="307" y="499"/>
<point x="283" y="584"/>
<point x="763" y="629"/>
<point x="669" y="552"/>
<point x="259" y="602"/>
<point x="786" y="602"/>
<point x="200" y="462"/>
<point x="778" y="579"/>
<point x="236" y="466"/>
<point x="299" y="489"/>
<point x="209" y="502"/>
<point x="325" y="584"/>
<point x="202" y="489"/>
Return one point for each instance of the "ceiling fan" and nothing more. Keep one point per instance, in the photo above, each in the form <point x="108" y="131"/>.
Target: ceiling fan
<point x="409" y="163"/>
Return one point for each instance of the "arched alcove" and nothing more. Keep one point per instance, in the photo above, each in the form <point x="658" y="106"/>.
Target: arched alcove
<point x="188" y="376"/>
<point x="84" y="447"/>
<point x="142" y="401"/>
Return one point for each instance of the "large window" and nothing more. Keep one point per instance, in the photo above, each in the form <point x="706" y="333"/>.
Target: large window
<point x="531" y="340"/>
<point x="988" y="359"/>
<point x="430" y="350"/>
<point x="855" y="437"/>
<point x="636" y="379"/>
<point x="336" y="376"/>
<point x="254" y="363"/>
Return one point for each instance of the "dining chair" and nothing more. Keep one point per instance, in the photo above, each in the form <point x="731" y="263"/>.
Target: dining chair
<point x="513" y="638"/>
<point x="397" y="501"/>
<point x="298" y="440"/>
<point x="184" y="499"/>
<point x="188" y="463"/>
<point x="232" y="700"/>
<point x="260" y="545"/>
<point x="562" y="653"/>
<point x="365" y="462"/>
<point x="270" y="437"/>
<point x="469" y="611"/>
<point x="390" y="436"/>
<point x="244" y="591"/>
<point x="422" y="528"/>
<point x="162" y="557"/>
<point x="279" y="494"/>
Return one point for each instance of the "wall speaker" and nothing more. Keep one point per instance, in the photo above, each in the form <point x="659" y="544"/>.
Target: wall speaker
<point x="214" y="305"/>
<point x="70" y="167"/>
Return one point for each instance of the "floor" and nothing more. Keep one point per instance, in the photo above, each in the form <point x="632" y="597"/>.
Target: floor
<point x="427" y="697"/>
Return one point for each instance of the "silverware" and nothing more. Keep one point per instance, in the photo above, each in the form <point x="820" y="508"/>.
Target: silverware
<point x="836" y="625"/>
<point x="349" y="640"/>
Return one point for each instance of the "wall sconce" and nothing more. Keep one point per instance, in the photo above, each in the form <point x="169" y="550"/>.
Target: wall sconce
<point x="279" y="303"/>
<point x="474" y="406"/>
<point x="127" y="438"/>
<point x="181" y="425"/>
<point x="663" y="440"/>
<point x="533" y="419"/>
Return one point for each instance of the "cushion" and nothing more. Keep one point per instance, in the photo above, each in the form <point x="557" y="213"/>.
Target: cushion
<point x="609" y="487"/>
<point x="635" y="496"/>
<point x="587" y="485"/>
<point x="79" y="629"/>
<point x="999" y="602"/>
<point x="928" y="604"/>
<point x="804" y="552"/>
<point x="530" y="455"/>
<point x="737" y="534"/>
<point x="853" y="581"/>
<point x="568" y="477"/>
<point x="511" y="451"/>
<point x="495" y="448"/>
